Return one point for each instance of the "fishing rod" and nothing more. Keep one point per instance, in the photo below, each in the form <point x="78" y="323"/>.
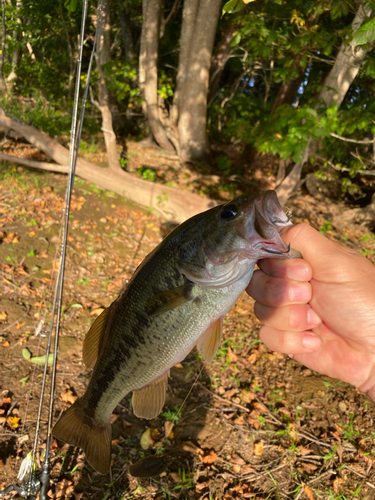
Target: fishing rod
<point x="34" y="481"/>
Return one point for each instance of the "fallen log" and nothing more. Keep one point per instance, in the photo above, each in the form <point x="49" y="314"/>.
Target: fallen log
<point x="175" y="204"/>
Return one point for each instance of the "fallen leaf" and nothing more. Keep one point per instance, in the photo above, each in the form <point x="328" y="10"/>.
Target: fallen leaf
<point x="236" y="459"/>
<point x="337" y="484"/>
<point x="13" y="422"/>
<point x="239" y="421"/>
<point x="190" y="446"/>
<point x="309" y="468"/>
<point x="3" y="316"/>
<point x="210" y="458"/>
<point x="306" y="451"/>
<point x="260" y="406"/>
<point x="308" y="491"/>
<point x="168" y="426"/>
<point x="6" y="344"/>
<point x="97" y="311"/>
<point x="26" y="353"/>
<point x="40" y="360"/>
<point x="233" y="357"/>
<point x="69" y="397"/>
<point x="258" y="448"/>
<point x="146" y="439"/>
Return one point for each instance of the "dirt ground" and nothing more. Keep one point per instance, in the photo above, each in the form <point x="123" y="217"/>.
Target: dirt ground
<point x="253" y="424"/>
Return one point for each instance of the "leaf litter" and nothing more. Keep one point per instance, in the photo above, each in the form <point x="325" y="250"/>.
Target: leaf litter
<point x="256" y="424"/>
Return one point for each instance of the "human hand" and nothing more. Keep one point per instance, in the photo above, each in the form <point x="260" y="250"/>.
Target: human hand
<point x="320" y="310"/>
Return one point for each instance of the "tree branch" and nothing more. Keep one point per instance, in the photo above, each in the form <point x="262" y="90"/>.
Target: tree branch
<point x="346" y="139"/>
<point x="52" y="167"/>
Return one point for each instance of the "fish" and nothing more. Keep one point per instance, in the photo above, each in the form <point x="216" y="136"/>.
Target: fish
<point x="176" y="300"/>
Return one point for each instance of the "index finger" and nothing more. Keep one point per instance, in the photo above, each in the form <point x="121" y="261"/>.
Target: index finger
<point x="293" y="269"/>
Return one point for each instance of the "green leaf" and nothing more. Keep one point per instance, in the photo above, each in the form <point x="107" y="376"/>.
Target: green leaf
<point x="40" y="360"/>
<point x="235" y="6"/>
<point x="70" y="5"/>
<point x="26" y="353"/>
<point x="366" y="33"/>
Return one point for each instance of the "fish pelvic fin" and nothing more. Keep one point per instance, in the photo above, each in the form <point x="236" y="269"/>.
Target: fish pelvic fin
<point x="92" y="342"/>
<point x="149" y="401"/>
<point x="208" y="343"/>
<point x="95" y="439"/>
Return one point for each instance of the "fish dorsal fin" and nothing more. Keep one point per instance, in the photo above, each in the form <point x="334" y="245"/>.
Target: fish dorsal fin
<point x="91" y="343"/>
<point x="209" y="341"/>
<point x="149" y="401"/>
<point x="170" y="299"/>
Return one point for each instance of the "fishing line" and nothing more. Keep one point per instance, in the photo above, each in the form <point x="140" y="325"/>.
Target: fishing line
<point x="191" y="388"/>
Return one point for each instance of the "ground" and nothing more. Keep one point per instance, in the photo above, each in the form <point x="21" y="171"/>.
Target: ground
<point x="253" y="424"/>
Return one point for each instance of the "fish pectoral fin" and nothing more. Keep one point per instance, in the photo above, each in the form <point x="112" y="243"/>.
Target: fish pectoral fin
<point x="149" y="401"/>
<point x="91" y="343"/>
<point x="94" y="438"/>
<point x="209" y="341"/>
<point x="170" y="299"/>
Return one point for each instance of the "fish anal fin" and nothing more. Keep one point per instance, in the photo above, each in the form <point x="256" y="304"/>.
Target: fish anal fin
<point x="149" y="401"/>
<point x="209" y="341"/>
<point x="91" y="343"/>
<point x="170" y="299"/>
<point x="94" y="439"/>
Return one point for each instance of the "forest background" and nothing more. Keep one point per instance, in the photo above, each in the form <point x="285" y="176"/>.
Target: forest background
<point x="285" y="79"/>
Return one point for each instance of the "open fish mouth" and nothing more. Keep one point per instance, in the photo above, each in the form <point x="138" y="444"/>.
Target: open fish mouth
<point x="277" y="252"/>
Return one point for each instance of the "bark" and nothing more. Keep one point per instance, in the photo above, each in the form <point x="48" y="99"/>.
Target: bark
<point x="171" y="202"/>
<point x="287" y="92"/>
<point x="220" y="59"/>
<point x="126" y="34"/>
<point x="192" y="123"/>
<point x="189" y="16"/>
<point x="2" y="81"/>
<point x="347" y="64"/>
<point x="103" y="56"/>
<point x="149" y="57"/>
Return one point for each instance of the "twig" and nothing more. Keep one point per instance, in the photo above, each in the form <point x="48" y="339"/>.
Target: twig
<point x="346" y="139"/>
<point x="258" y="476"/>
<point x="322" y="443"/>
<point x="358" y="473"/>
<point x="327" y="473"/>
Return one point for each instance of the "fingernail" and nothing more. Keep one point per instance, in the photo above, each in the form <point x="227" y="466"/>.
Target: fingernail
<point x="300" y="292"/>
<point x="311" y="341"/>
<point x="312" y="318"/>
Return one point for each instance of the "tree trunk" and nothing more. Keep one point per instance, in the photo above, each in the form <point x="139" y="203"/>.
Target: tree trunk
<point x="173" y="203"/>
<point x="192" y="104"/>
<point x="152" y="10"/>
<point x="287" y="93"/>
<point x="126" y="34"/>
<point x="103" y="56"/>
<point x="347" y="64"/>
<point x="220" y="59"/>
<point x="2" y="81"/>
<point x="17" y="54"/>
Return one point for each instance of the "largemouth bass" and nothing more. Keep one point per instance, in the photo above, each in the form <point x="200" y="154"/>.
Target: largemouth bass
<point x="176" y="300"/>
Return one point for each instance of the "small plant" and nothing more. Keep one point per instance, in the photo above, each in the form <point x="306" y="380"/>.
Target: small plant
<point x="350" y="433"/>
<point x="173" y="415"/>
<point x="324" y="228"/>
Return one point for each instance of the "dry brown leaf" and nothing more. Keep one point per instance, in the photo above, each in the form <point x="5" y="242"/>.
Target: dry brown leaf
<point x="3" y="316"/>
<point x="6" y="344"/>
<point x="253" y="422"/>
<point x="236" y="459"/>
<point x="146" y="439"/>
<point x="260" y="406"/>
<point x="258" y="448"/>
<point x="236" y="469"/>
<point x="308" y="491"/>
<point x="337" y="484"/>
<point x="239" y="421"/>
<point x="292" y="432"/>
<point x="68" y="396"/>
<point x="175" y="477"/>
<point x="168" y="426"/>
<point x="309" y="468"/>
<point x="305" y="451"/>
<point x="233" y="357"/>
<point x="230" y="393"/>
<point x="155" y="433"/>
<point x="210" y="458"/>
<point x="20" y="325"/>
<point x="248" y="397"/>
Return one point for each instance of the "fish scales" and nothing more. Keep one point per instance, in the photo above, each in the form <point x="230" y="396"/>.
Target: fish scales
<point x="176" y="299"/>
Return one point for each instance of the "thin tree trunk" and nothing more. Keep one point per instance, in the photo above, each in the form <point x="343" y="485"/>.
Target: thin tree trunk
<point x="2" y="80"/>
<point x="192" y="123"/>
<point x="220" y="59"/>
<point x="173" y="203"/>
<point x="126" y="34"/>
<point x="103" y="56"/>
<point x="17" y="54"/>
<point x="347" y="64"/>
<point x="149" y="53"/>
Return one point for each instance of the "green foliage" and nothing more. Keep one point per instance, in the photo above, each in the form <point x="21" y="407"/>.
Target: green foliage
<point x="366" y="33"/>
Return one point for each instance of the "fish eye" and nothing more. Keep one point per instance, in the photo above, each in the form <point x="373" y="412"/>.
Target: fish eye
<point x="229" y="212"/>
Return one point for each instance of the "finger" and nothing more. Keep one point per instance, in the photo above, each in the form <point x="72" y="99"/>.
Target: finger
<point x="293" y="269"/>
<point x="276" y="292"/>
<point x="294" y="318"/>
<point x="290" y="342"/>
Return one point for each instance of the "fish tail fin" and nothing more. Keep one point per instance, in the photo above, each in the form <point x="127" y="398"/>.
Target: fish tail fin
<point x="95" y="439"/>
